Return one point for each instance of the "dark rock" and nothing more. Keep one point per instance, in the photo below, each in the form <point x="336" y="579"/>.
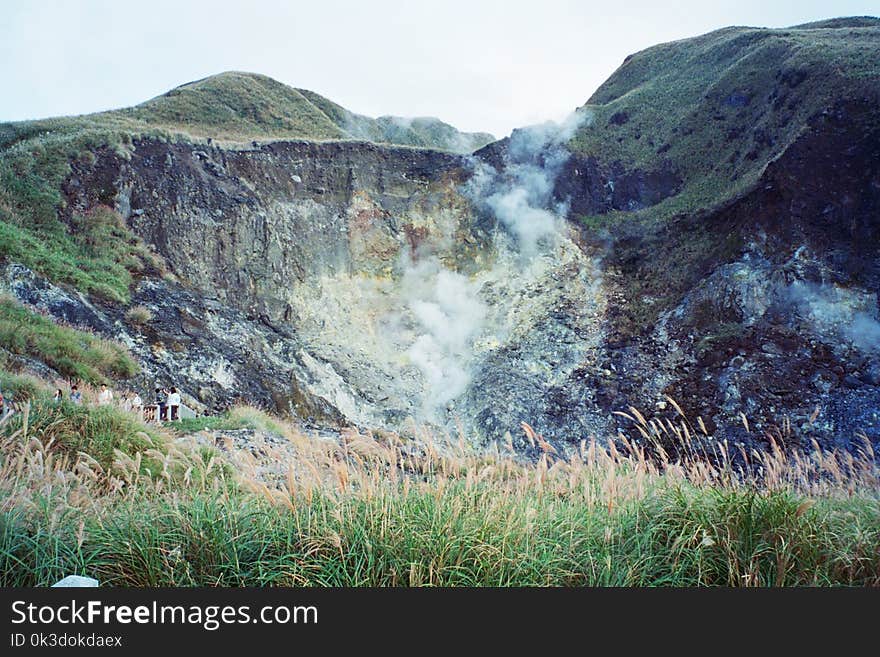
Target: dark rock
<point x="69" y="306"/>
<point x="619" y="118"/>
<point x="852" y="381"/>
<point x="592" y="188"/>
<point x="871" y="373"/>
<point x="772" y="349"/>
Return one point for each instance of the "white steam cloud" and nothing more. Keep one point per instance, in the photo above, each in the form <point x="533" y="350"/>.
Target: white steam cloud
<point x="444" y="305"/>
<point x="849" y="315"/>
<point x="520" y="196"/>
<point x="449" y="315"/>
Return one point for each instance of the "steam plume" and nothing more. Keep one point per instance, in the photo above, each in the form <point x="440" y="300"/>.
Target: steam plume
<point x="445" y="305"/>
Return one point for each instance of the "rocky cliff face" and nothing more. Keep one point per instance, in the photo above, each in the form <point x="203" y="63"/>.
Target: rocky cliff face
<point x="326" y="279"/>
<point x="278" y="254"/>
<point x="553" y="278"/>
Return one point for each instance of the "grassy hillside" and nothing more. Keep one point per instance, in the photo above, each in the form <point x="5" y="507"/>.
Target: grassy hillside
<point x="717" y="108"/>
<point x="89" y="434"/>
<point x="74" y="354"/>
<point x="95" y="252"/>
<point x="242" y="106"/>
<point x="237" y="106"/>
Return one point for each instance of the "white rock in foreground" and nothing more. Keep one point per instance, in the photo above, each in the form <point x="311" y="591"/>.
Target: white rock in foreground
<point x="76" y="581"/>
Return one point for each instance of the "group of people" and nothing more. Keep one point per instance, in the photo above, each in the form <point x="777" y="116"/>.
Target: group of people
<point x="166" y="406"/>
<point x="105" y="396"/>
<point x="75" y="395"/>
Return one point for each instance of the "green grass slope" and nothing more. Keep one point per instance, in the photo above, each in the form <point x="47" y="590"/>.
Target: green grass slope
<point x="717" y="108"/>
<point x="237" y="106"/>
<point x="74" y="354"/>
<point x="86" y="432"/>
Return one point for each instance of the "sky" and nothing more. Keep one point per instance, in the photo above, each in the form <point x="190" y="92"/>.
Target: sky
<point x="479" y="65"/>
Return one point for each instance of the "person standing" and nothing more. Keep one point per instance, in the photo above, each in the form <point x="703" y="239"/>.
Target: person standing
<point x="105" y="396"/>
<point x="58" y="396"/>
<point x="160" y="404"/>
<point x="137" y="405"/>
<point x="76" y="396"/>
<point x="174" y="404"/>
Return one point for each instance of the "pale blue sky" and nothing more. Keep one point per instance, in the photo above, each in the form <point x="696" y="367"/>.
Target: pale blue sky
<point x="479" y="65"/>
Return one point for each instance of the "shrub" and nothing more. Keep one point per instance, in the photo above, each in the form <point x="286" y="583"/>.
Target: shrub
<point x="139" y="315"/>
<point x="239" y="417"/>
<point x="21" y="386"/>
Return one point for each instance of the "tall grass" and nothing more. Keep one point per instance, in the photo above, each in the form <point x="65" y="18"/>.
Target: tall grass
<point x="381" y="511"/>
<point x="86" y="435"/>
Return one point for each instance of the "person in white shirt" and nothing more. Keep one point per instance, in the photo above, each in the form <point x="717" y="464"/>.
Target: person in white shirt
<point x="105" y="396"/>
<point x="137" y="404"/>
<point x="173" y="404"/>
